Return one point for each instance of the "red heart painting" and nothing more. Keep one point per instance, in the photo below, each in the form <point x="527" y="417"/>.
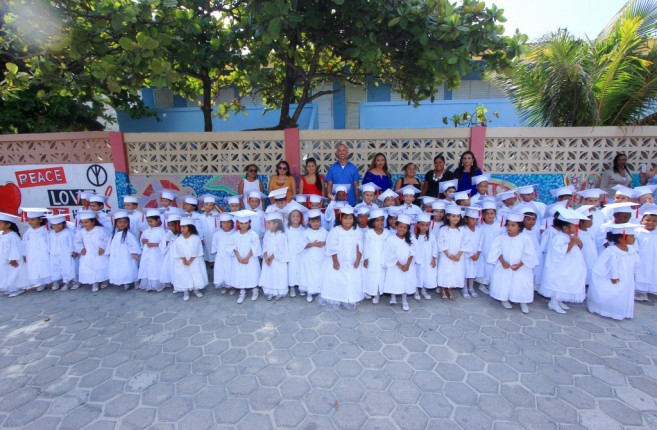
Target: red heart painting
<point x="10" y="198"/>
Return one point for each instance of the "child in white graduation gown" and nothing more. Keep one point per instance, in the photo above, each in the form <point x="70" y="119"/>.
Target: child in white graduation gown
<point x="124" y="251"/>
<point x="589" y="250"/>
<point x="489" y="229"/>
<point x="189" y="272"/>
<point x="398" y="253"/>
<point x="13" y="275"/>
<point x="90" y="244"/>
<point x="209" y="224"/>
<point x="223" y="250"/>
<point x="452" y="244"/>
<point x="137" y="218"/>
<point x="474" y="264"/>
<point x="426" y="257"/>
<point x="247" y="251"/>
<point x="150" y="266"/>
<point x="294" y="236"/>
<point x="611" y="293"/>
<point x="275" y="256"/>
<point x="341" y="284"/>
<point x="166" y="245"/>
<point x="514" y="256"/>
<point x="373" y="263"/>
<point x="312" y="255"/>
<point x="564" y="269"/>
<point x="35" y="249"/>
<point x="61" y="248"/>
<point x="646" y="245"/>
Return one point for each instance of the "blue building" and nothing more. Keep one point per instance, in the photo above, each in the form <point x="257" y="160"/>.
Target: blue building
<point x="352" y="107"/>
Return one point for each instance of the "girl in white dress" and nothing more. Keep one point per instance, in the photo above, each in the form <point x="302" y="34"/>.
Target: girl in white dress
<point x="564" y="270"/>
<point x="166" y="245"/>
<point x="208" y="221"/>
<point x="258" y="217"/>
<point x="294" y="236"/>
<point x="189" y="272"/>
<point x="646" y="244"/>
<point x="137" y="218"/>
<point x="438" y="217"/>
<point x="150" y="266"/>
<point x="398" y="252"/>
<point x="13" y="275"/>
<point x="373" y="264"/>
<point x="426" y="258"/>
<point x="341" y="284"/>
<point x="474" y="264"/>
<point x="247" y="251"/>
<point x="611" y="293"/>
<point x="489" y="229"/>
<point x="452" y="244"/>
<point x="223" y="247"/>
<point x="312" y="255"/>
<point x="90" y="244"/>
<point x="514" y="256"/>
<point x="35" y="248"/>
<point x="63" y="266"/>
<point x="275" y="256"/>
<point x="124" y="251"/>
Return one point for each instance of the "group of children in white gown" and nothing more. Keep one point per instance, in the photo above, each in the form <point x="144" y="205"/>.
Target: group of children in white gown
<point x="343" y="254"/>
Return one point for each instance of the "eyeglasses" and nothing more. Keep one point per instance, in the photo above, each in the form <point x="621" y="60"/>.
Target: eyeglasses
<point x="253" y="170"/>
<point x="282" y="168"/>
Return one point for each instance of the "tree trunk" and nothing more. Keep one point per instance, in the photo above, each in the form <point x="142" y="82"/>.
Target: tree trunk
<point x="206" y="107"/>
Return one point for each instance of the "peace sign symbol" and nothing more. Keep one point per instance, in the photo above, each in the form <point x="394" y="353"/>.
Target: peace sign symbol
<point x="96" y="175"/>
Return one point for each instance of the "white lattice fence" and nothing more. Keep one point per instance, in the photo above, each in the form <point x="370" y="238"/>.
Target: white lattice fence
<point x="399" y="146"/>
<point x="203" y="153"/>
<point x="567" y="150"/>
<point x="55" y="148"/>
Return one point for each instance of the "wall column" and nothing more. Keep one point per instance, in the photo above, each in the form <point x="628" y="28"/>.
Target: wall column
<point x="292" y="150"/>
<point x="478" y="144"/>
<point x="119" y="152"/>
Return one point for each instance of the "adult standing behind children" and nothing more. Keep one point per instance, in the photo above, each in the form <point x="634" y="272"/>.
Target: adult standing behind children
<point x="378" y="173"/>
<point x="433" y="178"/>
<point x="619" y="174"/>
<point x="466" y="170"/>
<point x="283" y="179"/>
<point x="312" y="181"/>
<point x="344" y="172"/>
<point x="250" y="183"/>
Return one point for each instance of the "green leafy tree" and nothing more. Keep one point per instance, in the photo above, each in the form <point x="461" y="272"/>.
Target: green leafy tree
<point x="610" y="80"/>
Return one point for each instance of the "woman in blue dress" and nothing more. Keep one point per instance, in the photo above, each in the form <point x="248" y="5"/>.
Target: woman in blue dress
<point x="466" y="170"/>
<point x="378" y="173"/>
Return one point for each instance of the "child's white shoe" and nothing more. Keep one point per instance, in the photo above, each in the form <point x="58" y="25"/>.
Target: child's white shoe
<point x="186" y="296"/>
<point x="104" y="285"/>
<point x="224" y="290"/>
<point x="55" y="285"/>
<point x="473" y="292"/>
<point x="368" y="297"/>
<point x="416" y="296"/>
<point x="465" y="293"/>
<point x="425" y="294"/>
<point x="507" y="304"/>
<point x="393" y="299"/>
<point x="375" y="299"/>
<point x="241" y="298"/>
<point x="484" y="289"/>
<point x="254" y="295"/>
<point x="309" y="299"/>
<point x="75" y="285"/>
<point x="524" y="308"/>
<point x="563" y="306"/>
<point x="39" y="287"/>
<point x="198" y="293"/>
<point x="405" y="305"/>
<point x="270" y="297"/>
<point x="16" y="293"/>
<point x="554" y="305"/>
<point x="293" y="292"/>
<point x="640" y="296"/>
<point x="94" y="288"/>
<point x="126" y="287"/>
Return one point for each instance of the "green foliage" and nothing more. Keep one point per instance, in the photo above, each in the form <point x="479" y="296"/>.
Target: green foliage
<point x="478" y="118"/>
<point x="611" y="80"/>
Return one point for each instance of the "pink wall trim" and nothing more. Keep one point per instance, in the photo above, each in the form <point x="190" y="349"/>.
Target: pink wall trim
<point x="478" y="144"/>
<point x="293" y="150"/>
<point x="119" y="152"/>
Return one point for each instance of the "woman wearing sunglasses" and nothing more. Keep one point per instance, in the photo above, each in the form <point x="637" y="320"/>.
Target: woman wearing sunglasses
<point x="283" y="179"/>
<point x="250" y="183"/>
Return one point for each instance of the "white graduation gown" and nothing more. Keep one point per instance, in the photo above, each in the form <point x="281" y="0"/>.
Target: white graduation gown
<point x="544" y="244"/>
<point x="343" y="285"/>
<point x="451" y="274"/>
<point x="506" y="284"/>
<point x="312" y="260"/>
<point x="151" y="262"/>
<point x="273" y="277"/>
<point x="589" y="251"/>
<point x="63" y="267"/>
<point x="258" y="224"/>
<point x="374" y="274"/>
<point x="426" y="249"/>
<point x="294" y="245"/>
<point x="123" y="268"/>
<point x="137" y="223"/>
<point x="166" y="270"/>
<point x="646" y="273"/>
<point x="209" y="225"/>
<point x="93" y="267"/>
<point x="194" y="276"/>
<point x="564" y="273"/>
<point x="246" y="275"/>
<point x="488" y="234"/>
<point x="12" y="278"/>
<point x="396" y="250"/>
<point x="223" y="245"/>
<point x="613" y="300"/>
<point x="473" y="269"/>
<point x="535" y="237"/>
<point x="35" y="250"/>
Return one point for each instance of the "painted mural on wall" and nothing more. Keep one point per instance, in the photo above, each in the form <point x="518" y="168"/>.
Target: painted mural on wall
<point x="55" y="186"/>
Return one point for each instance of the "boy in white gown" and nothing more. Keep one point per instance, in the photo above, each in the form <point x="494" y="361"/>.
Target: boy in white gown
<point x="150" y="266"/>
<point x="35" y="248"/>
<point x="223" y="246"/>
<point x="209" y="225"/>
<point x="312" y="255"/>
<point x="61" y="247"/>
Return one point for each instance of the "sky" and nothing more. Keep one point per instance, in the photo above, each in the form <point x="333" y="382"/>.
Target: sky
<point x="538" y="17"/>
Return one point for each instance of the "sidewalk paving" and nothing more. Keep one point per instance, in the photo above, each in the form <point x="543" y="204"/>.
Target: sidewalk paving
<point x="116" y="359"/>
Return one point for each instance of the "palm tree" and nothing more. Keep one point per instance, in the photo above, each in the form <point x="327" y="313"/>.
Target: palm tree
<point x="611" y="80"/>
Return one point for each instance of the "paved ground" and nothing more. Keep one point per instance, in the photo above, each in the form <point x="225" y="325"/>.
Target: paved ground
<point x="119" y="359"/>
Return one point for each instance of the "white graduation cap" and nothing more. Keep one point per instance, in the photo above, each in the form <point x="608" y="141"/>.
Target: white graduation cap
<point x="9" y="218"/>
<point x="453" y="210"/>
<point x="131" y="199"/>
<point x="571" y="216"/>
<point x="645" y="189"/>
<point x="208" y="198"/>
<point x="278" y="194"/>
<point x="370" y="187"/>
<point x="423" y="217"/>
<point x="84" y="195"/>
<point x="509" y="194"/>
<point x="301" y="199"/>
<point x="377" y="213"/>
<point x="347" y="210"/>
<point x="56" y="219"/>
<point x="314" y="198"/>
<point x="232" y="200"/>
<point x="190" y="200"/>
<point x="427" y="200"/>
<point x="526" y="189"/>
<point x="171" y="214"/>
<point x="461" y="195"/>
<point x="186" y="221"/>
<point x="556" y="207"/>
<point x="408" y="189"/>
<point x="225" y="216"/>
<point x="173" y="217"/>
<point x="445" y="185"/>
<point x="488" y="204"/>
<point x="82" y="215"/>
<point x="294" y="206"/>
<point x="568" y="190"/>
<point x="363" y="210"/>
<point x="627" y="229"/>
<point x="341" y="187"/>
<point x="648" y="209"/>
<point x="36" y="212"/>
<point x="515" y="216"/>
<point x="255" y="194"/>
<point x="120" y="214"/>
<point x="484" y="177"/>
<point x="314" y="213"/>
<point x="622" y="190"/>
<point x="243" y="216"/>
<point x="273" y="215"/>
<point x="404" y="219"/>
<point x="438" y="205"/>
<point x="168" y="195"/>
<point x="472" y="212"/>
<point x="387" y="193"/>
<point x="339" y="205"/>
<point x="592" y="193"/>
<point x="393" y="211"/>
<point x="97" y="198"/>
<point x="585" y="210"/>
<point x="622" y="208"/>
<point x="528" y="208"/>
<point x="154" y="212"/>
